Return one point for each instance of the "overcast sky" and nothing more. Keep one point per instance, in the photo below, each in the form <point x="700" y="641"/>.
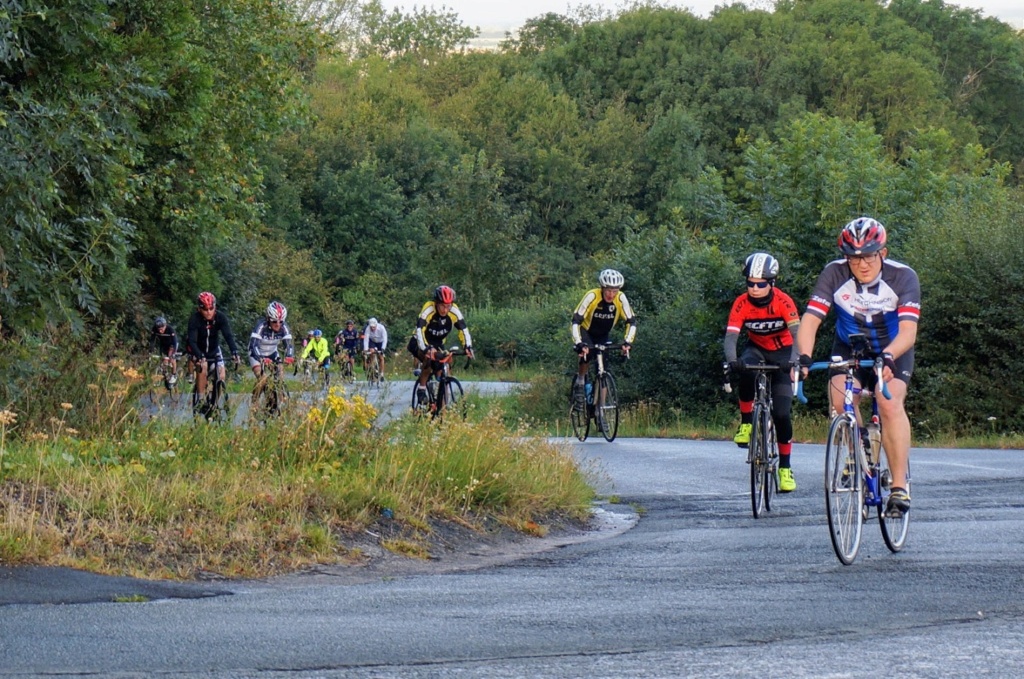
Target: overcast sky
<point x="509" y="14"/>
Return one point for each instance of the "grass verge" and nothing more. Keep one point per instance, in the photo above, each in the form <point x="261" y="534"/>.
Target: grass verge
<point x="171" y="501"/>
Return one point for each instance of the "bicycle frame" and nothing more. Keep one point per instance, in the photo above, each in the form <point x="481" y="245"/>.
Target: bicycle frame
<point x="853" y="482"/>
<point x="445" y="387"/>
<point x="603" y="407"/>
<point x="762" y="451"/>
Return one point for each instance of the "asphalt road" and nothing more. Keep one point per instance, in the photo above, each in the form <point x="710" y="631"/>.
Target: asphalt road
<point x="696" y="588"/>
<point x="392" y="399"/>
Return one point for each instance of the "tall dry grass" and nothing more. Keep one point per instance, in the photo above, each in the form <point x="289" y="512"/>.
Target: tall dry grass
<point x="172" y="500"/>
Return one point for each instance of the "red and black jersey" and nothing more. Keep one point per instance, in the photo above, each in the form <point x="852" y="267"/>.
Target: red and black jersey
<point x="768" y="327"/>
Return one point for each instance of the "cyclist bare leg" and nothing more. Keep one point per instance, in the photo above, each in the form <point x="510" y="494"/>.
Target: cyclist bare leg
<point x="895" y="430"/>
<point x="261" y="377"/>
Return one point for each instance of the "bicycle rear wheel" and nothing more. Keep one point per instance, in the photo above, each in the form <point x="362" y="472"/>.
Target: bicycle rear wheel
<point x="758" y="454"/>
<point x="844" y="490"/>
<point x="607" y="411"/>
<point x="895" y="524"/>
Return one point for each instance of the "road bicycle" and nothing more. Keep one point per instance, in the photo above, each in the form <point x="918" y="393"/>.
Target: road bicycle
<point x="309" y="366"/>
<point x="763" y="450"/>
<point x="213" y="404"/>
<point x="444" y="392"/>
<point x="323" y="373"/>
<point x="857" y="477"/>
<point x="163" y="380"/>
<point x="372" y="367"/>
<point x="597" y="401"/>
<point x="347" y="362"/>
<point x="270" y="393"/>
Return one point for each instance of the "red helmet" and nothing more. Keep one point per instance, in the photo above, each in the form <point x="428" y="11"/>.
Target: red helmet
<point x="444" y="295"/>
<point x="206" y="300"/>
<point x="862" y="236"/>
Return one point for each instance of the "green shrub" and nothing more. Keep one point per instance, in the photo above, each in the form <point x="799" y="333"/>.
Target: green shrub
<point x="969" y="363"/>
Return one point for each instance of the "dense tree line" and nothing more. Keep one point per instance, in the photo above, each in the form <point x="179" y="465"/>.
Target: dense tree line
<point x="347" y="159"/>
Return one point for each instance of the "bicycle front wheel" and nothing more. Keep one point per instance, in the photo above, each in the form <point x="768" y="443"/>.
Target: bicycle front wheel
<point x="449" y="398"/>
<point x="771" y="467"/>
<point x="420" y="405"/>
<point x="219" y="402"/>
<point x="758" y="454"/>
<point x="607" y="411"/>
<point x="844" y="490"/>
<point x="894" y="523"/>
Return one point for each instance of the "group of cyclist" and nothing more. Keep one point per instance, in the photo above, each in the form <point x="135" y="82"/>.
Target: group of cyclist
<point x="207" y="326"/>
<point x="874" y="297"/>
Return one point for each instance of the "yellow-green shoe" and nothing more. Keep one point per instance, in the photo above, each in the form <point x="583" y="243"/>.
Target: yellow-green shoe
<point x="742" y="438"/>
<point x="786" y="482"/>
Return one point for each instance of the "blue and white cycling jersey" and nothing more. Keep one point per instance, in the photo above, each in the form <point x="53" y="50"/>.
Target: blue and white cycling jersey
<point x="874" y="309"/>
<point x="264" y="341"/>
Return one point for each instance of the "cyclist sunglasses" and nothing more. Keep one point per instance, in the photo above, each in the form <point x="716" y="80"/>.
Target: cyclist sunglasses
<point x="762" y="284"/>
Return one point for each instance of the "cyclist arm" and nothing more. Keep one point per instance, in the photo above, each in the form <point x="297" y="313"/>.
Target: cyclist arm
<point x="421" y="322"/>
<point x="579" y="316"/>
<point x="193" y="337"/>
<point x="305" y="351"/>
<point x="904" y="340"/>
<point x="729" y="346"/>
<point x="806" y="332"/>
<point x="254" y="342"/>
<point x="174" y="340"/>
<point x="225" y="326"/>
<point x="384" y="339"/>
<point x="366" y="341"/>
<point x="627" y="312"/>
<point x="460" y="325"/>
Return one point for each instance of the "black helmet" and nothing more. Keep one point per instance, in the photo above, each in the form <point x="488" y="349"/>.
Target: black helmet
<point x="761" y="265"/>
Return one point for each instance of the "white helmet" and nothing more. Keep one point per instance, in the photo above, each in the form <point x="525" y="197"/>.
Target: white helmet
<point x="276" y="312"/>
<point x="610" y="278"/>
<point x="372" y="323"/>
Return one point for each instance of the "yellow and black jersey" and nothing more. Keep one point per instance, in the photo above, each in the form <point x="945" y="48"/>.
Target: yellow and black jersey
<point x="432" y="328"/>
<point x="598" y="317"/>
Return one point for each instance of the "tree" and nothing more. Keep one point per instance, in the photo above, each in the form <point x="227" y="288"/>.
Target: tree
<point x="425" y="33"/>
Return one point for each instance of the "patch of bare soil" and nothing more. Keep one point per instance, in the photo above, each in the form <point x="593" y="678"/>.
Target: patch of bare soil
<point x="453" y="546"/>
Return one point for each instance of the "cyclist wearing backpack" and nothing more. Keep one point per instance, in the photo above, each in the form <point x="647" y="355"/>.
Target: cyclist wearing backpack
<point x="771" y="320"/>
